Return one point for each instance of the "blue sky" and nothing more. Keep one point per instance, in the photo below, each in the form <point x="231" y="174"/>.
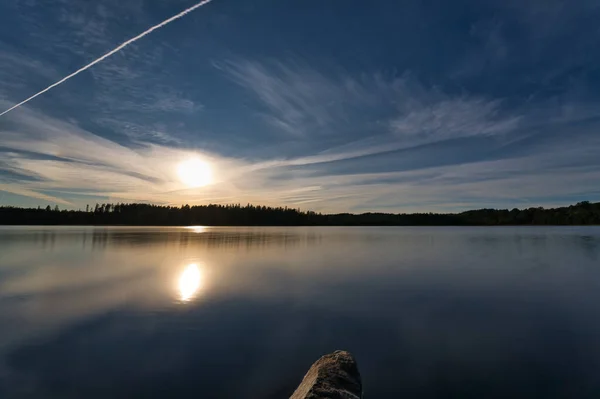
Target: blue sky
<point x="323" y="105"/>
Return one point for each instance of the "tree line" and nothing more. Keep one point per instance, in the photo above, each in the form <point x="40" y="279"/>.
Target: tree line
<point x="582" y="213"/>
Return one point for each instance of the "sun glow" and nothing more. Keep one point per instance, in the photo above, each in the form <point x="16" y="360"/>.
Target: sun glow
<point x="189" y="282"/>
<point x="194" y="172"/>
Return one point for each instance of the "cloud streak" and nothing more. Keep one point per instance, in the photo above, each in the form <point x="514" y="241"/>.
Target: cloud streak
<point x="307" y="102"/>
<point x="361" y="142"/>
<point x="72" y="166"/>
<point x="113" y="51"/>
<point x="362" y="114"/>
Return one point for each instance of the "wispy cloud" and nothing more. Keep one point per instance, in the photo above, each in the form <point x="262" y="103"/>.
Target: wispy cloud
<point x="122" y="87"/>
<point x="297" y="98"/>
<point x="341" y="120"/>
<point x="452" y="118"/>
<point x="411" y="116"/>
<point x="62" y="157"/>
<point x="19" y="71"/>
<point x="140" y="132"/>
<point x="110" y="53"/>
<point x="20" y="190"/>
<point x="366" y="114"/>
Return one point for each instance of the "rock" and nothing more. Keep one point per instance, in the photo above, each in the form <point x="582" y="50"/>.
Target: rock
<point x="333" y="376"/>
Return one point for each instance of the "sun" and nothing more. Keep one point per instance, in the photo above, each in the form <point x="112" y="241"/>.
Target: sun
<point x="194" y="172"/>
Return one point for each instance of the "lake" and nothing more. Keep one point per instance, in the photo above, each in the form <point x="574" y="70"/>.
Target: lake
<point x="221" y="312"/>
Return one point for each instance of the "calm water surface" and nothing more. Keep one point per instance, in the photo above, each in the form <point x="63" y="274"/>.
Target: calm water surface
<point x="242" y="312"/>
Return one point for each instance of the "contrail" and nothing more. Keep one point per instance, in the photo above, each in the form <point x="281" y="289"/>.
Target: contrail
<point x="111" y="52"/>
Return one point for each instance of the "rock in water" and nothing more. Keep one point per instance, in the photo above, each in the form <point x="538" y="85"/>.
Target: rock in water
<point x="334" y="376"/>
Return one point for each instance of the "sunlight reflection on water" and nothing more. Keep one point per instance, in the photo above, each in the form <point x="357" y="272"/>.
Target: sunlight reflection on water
<point x="190" y="281"/>
<point x="135" y="309"/>
<point x="198" y="229"/>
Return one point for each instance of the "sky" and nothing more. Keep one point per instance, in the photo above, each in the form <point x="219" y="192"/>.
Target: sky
<point x="332" y="106"/>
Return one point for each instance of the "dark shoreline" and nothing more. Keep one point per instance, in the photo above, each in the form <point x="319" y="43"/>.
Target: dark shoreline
<point x="150" y="226"/>
<point x="583" y="213"/>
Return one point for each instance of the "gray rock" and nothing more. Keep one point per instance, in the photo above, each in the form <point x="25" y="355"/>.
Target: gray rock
<point x="333" y="376"/>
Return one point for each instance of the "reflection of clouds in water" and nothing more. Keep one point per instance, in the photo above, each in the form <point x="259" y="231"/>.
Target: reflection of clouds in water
<point x="101" y="238"/>
<point x="418" y="298"/>
<point x="190" y="281"/>
<point x="534" y="241"/>
<point x="56" y="290"/>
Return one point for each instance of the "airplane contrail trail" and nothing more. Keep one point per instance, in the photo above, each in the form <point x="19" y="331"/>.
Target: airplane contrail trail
<point x="111" y="52"/>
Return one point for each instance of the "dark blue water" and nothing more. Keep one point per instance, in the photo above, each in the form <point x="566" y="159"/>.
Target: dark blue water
<point x="243" y="312"/>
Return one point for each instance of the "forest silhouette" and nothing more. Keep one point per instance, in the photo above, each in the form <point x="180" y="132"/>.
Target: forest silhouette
<point x="583" y="213"/>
